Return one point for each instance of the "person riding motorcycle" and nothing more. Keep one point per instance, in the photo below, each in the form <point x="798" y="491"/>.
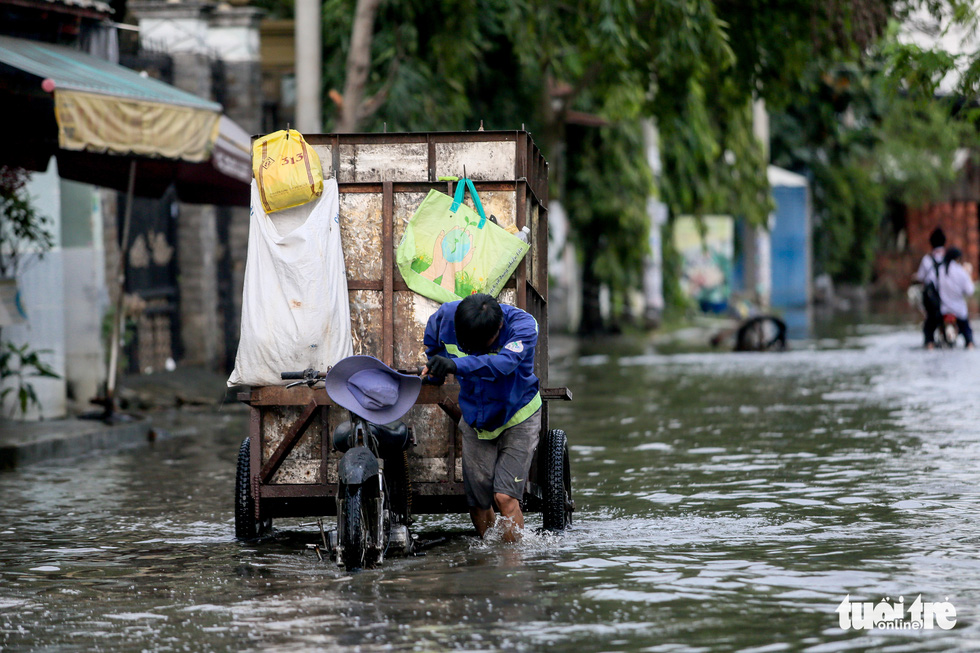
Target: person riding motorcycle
<point x="955" y="286"/>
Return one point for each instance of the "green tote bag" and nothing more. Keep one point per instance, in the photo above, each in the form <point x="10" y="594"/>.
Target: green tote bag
<point x="450" y="251"/>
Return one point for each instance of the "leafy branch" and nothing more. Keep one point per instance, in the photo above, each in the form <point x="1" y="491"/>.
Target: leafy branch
<point x="22" y="229"/>
<point x="20" y="363"/>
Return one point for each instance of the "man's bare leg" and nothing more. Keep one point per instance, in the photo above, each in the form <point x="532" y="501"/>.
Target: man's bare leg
<point x="510" y="512"/>
<point x="483" y="518"/>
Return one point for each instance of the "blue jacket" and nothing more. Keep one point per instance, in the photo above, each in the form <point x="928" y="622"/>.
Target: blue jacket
<point x="496" y="390"/>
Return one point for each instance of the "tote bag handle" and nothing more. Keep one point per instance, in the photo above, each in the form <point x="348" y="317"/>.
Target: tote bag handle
<point x="461" y="187"/>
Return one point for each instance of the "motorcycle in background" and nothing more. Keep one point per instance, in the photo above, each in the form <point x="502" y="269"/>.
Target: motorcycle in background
<point x="949" y="331"/>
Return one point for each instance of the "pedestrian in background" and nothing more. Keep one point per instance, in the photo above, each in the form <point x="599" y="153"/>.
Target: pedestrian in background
<point x="927" y="273"/>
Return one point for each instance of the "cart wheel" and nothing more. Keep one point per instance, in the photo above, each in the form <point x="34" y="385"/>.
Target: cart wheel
<point x="353" y="536"/>
<point x="557" y="483"/>
<point x="246" y="526"/>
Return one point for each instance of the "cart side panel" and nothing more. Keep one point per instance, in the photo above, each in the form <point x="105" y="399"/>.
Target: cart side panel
<point x="366" y="321"/>
<point x="335" y="419"/>
<point x="304" y="463"/>
<point x="367" y="162"/>
<point x="531" y="221"/>
<point x="483" y="161"/>
<point x="405" y="204"/>
<point x="412" y="311"/>
<point x="500" y="204"/>
<point x="433" y="458"/>
<point x="360" y="233"/>
<point x="324" y="150"/>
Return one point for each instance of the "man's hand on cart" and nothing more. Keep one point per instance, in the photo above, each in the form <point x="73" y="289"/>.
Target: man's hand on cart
<point x="437" y="368"/>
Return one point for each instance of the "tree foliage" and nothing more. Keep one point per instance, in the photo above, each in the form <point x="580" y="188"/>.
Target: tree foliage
<point x="869" y="130"/>
<point x="23" y="231"/>
<point x="431" y="70"/>
<point x="20" y="363"/>
<point x="695" y="67"/>
<point x="608" y="184"/>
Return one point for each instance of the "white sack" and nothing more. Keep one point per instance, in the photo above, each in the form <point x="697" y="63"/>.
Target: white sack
<point x="295" y="310"/>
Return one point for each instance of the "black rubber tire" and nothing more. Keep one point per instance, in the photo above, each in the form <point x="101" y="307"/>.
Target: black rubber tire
<point x="944" y="336"/>
<point x="246" y="526"/>
<point x="353" y="536"/>
<point x="557" y="483"/>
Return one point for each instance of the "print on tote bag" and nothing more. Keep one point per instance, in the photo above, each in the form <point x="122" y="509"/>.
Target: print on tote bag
<point x="450" y="251"/>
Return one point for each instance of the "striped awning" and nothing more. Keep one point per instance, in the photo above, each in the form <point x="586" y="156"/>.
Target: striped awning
<point x="107" y="108"/>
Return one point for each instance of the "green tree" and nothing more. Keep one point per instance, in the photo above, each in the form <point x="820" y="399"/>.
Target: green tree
<point x="869" y="130"/>
<point x="431" y="68"/>
<point x="695" y="66"/>
<point x="609" y="183"/>
<point x="24" y="232"/>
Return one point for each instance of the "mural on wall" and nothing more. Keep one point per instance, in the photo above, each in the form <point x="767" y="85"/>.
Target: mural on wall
<point x="707" y="250"/>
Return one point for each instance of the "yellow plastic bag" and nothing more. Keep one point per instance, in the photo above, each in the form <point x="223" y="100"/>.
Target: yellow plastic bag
<point x="287" y="170"/>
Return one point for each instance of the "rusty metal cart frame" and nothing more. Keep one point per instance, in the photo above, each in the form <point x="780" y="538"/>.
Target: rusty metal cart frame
<point x="389" y="174"/>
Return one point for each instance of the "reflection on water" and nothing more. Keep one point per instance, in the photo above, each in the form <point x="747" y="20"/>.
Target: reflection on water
<point x="799" y="322"/>
<point x="725" y="502"/>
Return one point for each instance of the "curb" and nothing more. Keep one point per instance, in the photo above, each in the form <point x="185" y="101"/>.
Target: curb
<point x="76" y="440"/>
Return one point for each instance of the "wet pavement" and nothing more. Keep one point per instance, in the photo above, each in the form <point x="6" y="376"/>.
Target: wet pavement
<point x="726" y="502"/>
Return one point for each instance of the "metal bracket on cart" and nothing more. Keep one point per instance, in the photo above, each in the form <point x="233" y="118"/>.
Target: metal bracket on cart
<point x="310" y="377"/>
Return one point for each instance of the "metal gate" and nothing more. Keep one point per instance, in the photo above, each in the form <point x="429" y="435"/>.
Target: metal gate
<point x="152" y="336"/>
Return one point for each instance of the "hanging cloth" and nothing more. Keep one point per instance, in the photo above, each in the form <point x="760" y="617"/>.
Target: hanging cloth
<point x="295" y="308"/>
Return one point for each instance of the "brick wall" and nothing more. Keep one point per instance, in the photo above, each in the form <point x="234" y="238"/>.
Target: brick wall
<point x="893" y="273"/>
<point x="960" y="222"/>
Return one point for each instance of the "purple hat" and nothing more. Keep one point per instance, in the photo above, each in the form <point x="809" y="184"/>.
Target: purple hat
<point x="372" y="390"/>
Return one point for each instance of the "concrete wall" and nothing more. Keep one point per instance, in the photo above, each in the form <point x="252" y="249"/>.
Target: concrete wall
<point x="42" y="293"/>
<point x="86" y="297"/>
<point x="196" y="34"/>
<point x="200" y="327"/>
<point x="565" y="290"/>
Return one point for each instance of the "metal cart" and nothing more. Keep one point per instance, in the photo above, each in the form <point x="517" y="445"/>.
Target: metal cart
<point x="288" y="465"/>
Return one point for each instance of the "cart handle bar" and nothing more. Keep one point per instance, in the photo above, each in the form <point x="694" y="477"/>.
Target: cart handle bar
<point x="311" y="375"/>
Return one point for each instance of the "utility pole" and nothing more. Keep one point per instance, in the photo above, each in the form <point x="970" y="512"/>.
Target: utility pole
<point x="755" y="244"/>
<point x="653" y="264"/>
<point x="309" y="58"/>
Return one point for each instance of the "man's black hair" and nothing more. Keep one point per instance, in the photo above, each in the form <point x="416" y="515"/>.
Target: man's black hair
<point x="478" y="317"/>
<point x="937" y="238"/>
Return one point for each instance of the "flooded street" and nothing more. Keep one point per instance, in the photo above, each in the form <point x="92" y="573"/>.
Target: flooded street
<point x="725" y="502"/>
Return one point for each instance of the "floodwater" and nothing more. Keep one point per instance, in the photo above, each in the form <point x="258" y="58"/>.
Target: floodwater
<point x="725" y="502"/>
